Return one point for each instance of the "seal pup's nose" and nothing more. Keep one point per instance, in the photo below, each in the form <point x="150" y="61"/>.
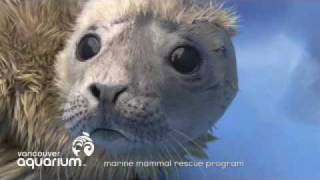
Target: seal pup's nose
<point x="110" y="94"/>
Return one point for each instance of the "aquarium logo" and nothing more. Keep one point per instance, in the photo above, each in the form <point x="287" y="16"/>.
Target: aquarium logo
<point x="83" y="144"/>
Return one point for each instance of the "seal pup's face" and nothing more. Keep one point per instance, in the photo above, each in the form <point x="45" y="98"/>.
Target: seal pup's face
<point x="145" y="82"/>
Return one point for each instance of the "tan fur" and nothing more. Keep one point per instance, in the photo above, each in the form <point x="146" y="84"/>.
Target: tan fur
<point x="32" y="32"/>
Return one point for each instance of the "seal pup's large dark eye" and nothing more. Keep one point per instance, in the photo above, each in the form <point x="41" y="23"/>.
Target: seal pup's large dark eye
<point x="88" y="47"/>
<point x="185" y="59"/>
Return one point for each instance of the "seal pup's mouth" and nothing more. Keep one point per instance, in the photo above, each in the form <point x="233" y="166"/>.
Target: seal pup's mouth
<point x="108" y="134"/>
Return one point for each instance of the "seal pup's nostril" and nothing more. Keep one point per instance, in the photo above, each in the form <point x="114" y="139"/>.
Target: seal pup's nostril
<point x="118" y="93"/>
<point x="95" y="91"/>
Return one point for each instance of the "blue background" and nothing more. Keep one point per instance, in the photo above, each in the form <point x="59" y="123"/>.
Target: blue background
<point x="273" y="125"/>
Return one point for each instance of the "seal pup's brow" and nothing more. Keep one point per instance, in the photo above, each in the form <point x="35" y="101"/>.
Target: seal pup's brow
<point x="92" y="28"/>
<point x="115" y="22"/>
<point x="119" y="21"/>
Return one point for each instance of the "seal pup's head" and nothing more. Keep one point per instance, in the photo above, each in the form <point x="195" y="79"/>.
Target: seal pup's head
<point x="146" y="76"/>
